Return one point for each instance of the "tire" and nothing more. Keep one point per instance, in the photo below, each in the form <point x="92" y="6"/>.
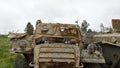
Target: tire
<point x="20" y="63"/>
<point x="92" y="65"/>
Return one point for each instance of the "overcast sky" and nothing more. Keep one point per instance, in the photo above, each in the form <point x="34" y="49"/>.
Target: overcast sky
<point x="14" y="14"/>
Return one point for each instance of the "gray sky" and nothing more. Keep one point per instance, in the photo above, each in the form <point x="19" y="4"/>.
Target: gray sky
<point x="14" y="14"/>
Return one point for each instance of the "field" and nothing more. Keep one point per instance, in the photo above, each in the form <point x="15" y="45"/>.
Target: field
<point x="6" y="59"/>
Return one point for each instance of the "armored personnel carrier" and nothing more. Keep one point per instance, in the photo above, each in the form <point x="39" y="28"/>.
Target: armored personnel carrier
<point x="55" y="45"/>
<point x="110" y="44"/>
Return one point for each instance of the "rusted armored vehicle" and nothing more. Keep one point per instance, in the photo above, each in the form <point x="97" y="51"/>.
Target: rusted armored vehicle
<point x="110" y="44"/>
<point x="55" y="45"/>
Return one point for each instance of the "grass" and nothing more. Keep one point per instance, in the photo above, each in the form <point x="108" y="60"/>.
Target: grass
<point x="6" y="60"/>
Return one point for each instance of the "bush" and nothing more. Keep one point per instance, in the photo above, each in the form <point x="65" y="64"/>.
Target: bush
<point x="6" y="60"/>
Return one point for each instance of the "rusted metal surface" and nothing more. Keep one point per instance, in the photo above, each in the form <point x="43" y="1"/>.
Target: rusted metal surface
<point x="96" y="57"/>
<point x="16" y="35"/>
<point x="57" y="50"/>
<point x="20" y="43"/>
<point x="113" y="38"/>
<point x="36" y="56"/>
<point x="57" y="53"/>
<point x="57" y="30"/>
<point x="57" y="60"/>
<point x="116" y="25"/>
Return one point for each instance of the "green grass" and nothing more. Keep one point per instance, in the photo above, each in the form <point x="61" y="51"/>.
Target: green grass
<point x="6" y="60"/>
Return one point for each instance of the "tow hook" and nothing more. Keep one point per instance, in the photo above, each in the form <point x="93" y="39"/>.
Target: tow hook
<point x="31" y="64"/>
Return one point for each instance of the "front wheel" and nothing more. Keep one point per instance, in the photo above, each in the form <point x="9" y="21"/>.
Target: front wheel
<point x="20" y="63"/>
<point x="92" y="65"/>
